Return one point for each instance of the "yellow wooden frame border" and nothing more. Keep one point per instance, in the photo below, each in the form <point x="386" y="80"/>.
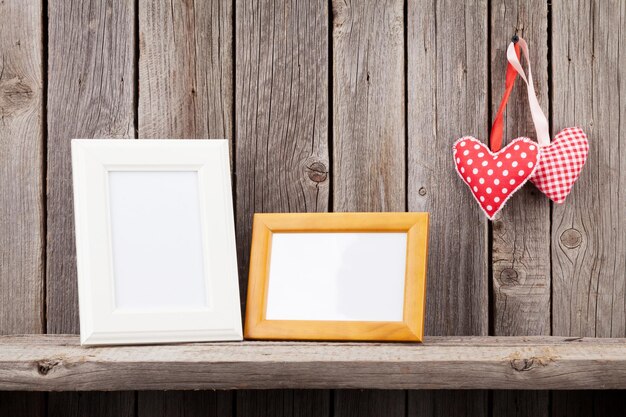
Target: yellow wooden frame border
<point x="411" y="328"/>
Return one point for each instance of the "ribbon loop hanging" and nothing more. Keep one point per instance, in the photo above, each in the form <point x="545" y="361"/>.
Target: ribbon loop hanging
<point x="539" y="119"/>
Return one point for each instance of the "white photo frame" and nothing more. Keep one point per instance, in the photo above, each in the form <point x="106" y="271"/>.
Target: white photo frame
<point x="155" y="241"/>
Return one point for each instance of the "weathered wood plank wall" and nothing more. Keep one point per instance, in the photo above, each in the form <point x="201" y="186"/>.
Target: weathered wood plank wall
<point x="22" y="201"/>
<point x="90" y="93"/>
<point x="447" y="85"/>
<point x="281" y="142"/>
<point x="521" y="236"/>
<point x="589" y="231"/>
<point x="368" y="172"/>
<point x="330" y="106"/>
<point x="185" y="91"/>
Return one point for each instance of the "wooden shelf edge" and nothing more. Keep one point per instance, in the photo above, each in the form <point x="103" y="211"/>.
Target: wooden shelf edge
<point x="59" y="363"/>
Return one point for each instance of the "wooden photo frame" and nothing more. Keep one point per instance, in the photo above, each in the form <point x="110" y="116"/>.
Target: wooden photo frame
<point x="155" y="241"/>
<point x="337" y="276"/>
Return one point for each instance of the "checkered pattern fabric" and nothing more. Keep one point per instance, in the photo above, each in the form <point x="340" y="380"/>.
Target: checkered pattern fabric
<point x="560" y="163"/>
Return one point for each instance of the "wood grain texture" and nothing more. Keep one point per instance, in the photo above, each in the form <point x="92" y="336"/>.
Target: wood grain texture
<point x="588" y="230"/>
<point x="281" y="113"/>
<point x="281" y="157"/>
<point x="185" y="404"/>
<point x="90" y="95"/>
<point x="428" y="403"/>
<point x="520" y="403"/>
<point x="30" y="404"/>
<point x="186" y="69"/>
<point x="22" y="201"/>
<point x="283" y="403"/>
<point x="368" y="133"/>
<point x="447" y="98"/>
<point x="368" y="106"/>
<point x="357" y="403"/>
<point x="521" y="232"/>
<point x="22" y="206"/>
<point x="55" y="363"/>
<point x="89" y="404"/>
<point x="185" y="91"/>
<point x="586" y="404"/>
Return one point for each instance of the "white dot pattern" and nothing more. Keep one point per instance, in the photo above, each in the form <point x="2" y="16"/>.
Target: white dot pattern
<point x="485" y="171"/>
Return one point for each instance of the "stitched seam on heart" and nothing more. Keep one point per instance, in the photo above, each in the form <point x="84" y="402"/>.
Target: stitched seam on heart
<point x="532" y="172"/>
<point x="521" y="138"/>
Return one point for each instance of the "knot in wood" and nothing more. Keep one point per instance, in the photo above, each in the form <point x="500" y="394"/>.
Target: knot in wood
<point x="422" y="191"/>
<point x="15" y="95"/>
<point x="317" y="172"/>
<point x="44" y="366"/>
<point x="526" y="364"/>
<point x="523" y="365"/>
<point x="509" y="276"/>
<point x="571" y="238"/>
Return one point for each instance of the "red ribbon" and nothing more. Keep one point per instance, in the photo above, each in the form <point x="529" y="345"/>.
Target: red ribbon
<point x="495" y="139"/>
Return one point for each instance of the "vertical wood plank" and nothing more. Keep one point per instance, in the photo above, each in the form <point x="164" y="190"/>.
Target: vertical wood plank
<point x="447" y="403"/>
<point x="90" y="94"/>
<point x="283" y="403"/>
<point x="185" y="91"/>
<point x="589" y="230"/>
<point x="31" y="404"/>
<point x="185" y="404"/>
<point x="21" y="165"/>
<point x="521" y="232"/>
<point x="281" y="114"/>
<point x="22" y="206"/>
<point x="447" y="98"/>
<point x="521" y="403"/>
<point x="447" y="87"/>
<point x="589" y="403"/>
<point x="90" y="404"/>
<point x="357" y="403"/>
<point x="186" y="69"/>
<point x="368" y="137"/>
<point x="368" y="106"/>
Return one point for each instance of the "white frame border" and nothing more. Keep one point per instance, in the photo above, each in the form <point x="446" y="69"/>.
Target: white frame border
<point x="100" y="323"/>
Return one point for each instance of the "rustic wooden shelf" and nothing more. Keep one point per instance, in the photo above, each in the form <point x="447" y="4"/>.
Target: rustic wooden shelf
<point x="59" y="363"/>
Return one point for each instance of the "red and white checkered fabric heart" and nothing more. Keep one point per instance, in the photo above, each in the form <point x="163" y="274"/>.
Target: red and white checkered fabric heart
<point x="494" y="177"/>
<point x="561" y="163"/>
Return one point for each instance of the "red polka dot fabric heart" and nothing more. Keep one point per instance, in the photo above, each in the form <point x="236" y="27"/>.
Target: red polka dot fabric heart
<point x="494" y="177"/>
<point x="561" y="163"/>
